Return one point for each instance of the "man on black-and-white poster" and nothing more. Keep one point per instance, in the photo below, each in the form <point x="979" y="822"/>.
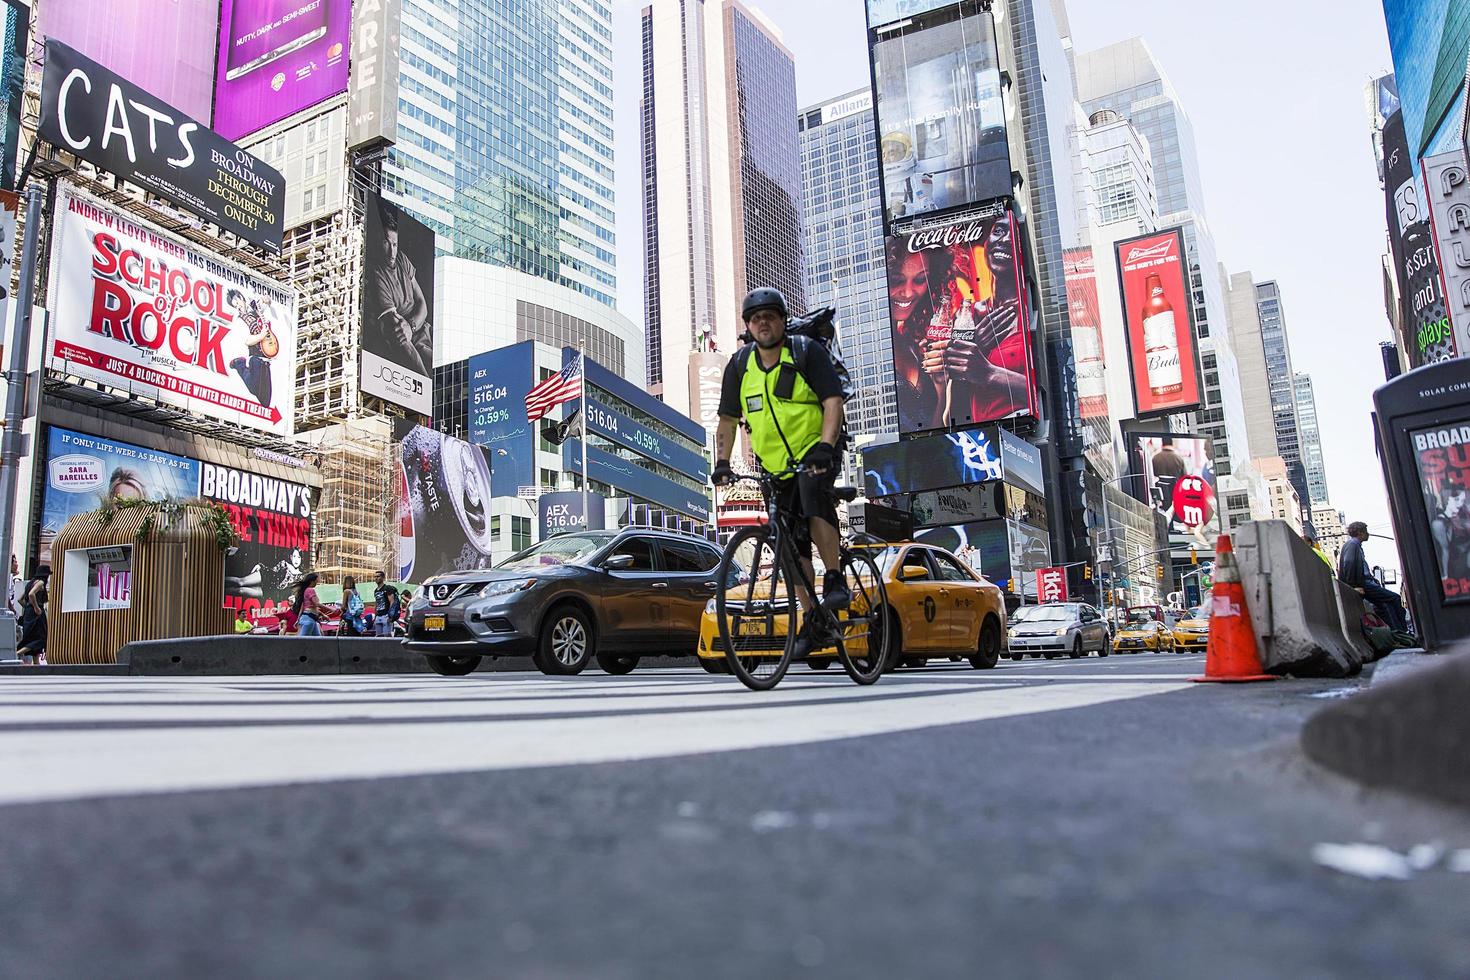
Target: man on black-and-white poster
<point x="397" y="307"/>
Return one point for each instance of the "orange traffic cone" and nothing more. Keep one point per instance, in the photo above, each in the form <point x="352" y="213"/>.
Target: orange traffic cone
<point x="1231" y="655"/>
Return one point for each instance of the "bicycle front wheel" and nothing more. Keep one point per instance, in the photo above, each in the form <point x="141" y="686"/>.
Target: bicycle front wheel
<point x="867" y="628"/>
<point x="756" y="609"/>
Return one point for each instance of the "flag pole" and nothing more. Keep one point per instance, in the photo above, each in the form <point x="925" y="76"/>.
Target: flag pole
<point x="582" y="383"/>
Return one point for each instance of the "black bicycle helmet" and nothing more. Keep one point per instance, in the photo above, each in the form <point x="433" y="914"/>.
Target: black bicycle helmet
<point x="763" y="298"/>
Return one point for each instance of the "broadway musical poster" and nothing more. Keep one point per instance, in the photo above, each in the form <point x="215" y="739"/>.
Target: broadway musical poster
<point x="273" y="518"/>
<point x="1443" y="458"/>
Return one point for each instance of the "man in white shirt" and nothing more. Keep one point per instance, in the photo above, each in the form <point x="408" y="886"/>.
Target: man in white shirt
<point x="17" y="587"/>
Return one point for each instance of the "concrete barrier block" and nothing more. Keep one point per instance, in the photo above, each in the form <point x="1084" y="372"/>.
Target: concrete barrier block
<point x="232" y="654"/>
<point x="1350" y="613"/>
<point x="377" y="655"/>
<point x="1293" y="603"/>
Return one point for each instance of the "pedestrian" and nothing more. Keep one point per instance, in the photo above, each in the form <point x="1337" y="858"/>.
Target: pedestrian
<point x="17" y="588"/>
<point x="307" y="608"/>
<point x="243" y="624"/>
<point x="407" y="598"/>
<point x="354" y="610"/>
<point x="1311" y="537"/>
<point x="32" y="649"/>
<point x="385" y="605"/>
<point x="1353" y="570"/>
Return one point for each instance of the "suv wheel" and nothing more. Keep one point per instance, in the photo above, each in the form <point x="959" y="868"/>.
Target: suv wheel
<point x="616" y="663"/>
<point x="566" y="644"/>
<point x="448" y="666"/>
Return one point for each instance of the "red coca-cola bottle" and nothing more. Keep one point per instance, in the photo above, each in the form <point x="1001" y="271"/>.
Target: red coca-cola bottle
<point x="1161" y="342"/>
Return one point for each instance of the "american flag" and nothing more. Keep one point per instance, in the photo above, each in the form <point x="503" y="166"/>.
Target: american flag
<point x="554" y="390"/>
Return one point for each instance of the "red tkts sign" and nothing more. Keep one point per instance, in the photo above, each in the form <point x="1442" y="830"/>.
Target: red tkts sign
<point x="1158" y="321"/>
<point x="1051" y="584"/>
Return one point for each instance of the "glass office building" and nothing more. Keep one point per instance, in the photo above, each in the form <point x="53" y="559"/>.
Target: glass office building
<point x="844" y="248"/>
<point x="505" y="143"/>
<point x="1283" y="390"/>
<point x="1311" y="440"/>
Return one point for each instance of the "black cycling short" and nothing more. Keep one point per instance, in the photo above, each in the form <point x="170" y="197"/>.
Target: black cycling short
<point x="809" y="496"/>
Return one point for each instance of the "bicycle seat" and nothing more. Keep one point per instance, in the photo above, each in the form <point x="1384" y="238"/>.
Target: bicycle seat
<point x="845" y="494"/>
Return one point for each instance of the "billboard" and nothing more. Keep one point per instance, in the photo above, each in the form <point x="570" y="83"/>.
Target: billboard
<point x="1158" y="322"/>
<point x="373" y="98"/>
<point x="1442" y="458"/>
<point x="1448" y="192"/>
<point x="499" y="380"/>
<point x="635" y="480"/>
<point x="15" y="37"/>
<point x="960" y="319"/>
<point x="941" y="120"/>
<point x="273" y="519"/>
<point x="561" y="512"/>
<point x="397" y="307"/>
<point x="277" y="57"/>
<point x="706" y="374"/>
<point x="83" y="472"/>
<point x="164" y="47"/>
<point x="107" y="120"/>
<point x="958" y="505"/>
<point x="1430" y="41"/>
<point x="445" y="522"/>
<point x="1175" y="475"/>
<point x="887" y="11"/>
<point x="148" y="313"/>
<point x="1083" y="309"/>
<point x="949" y="460"/>
<point x="1051" y="584"/>
<point x="1426" y="322"/>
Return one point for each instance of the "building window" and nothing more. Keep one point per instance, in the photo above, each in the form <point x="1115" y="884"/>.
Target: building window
<point x="520" y="533"/>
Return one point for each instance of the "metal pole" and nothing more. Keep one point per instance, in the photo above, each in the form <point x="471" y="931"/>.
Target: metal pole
<point x="15" y="406"/>
<point x="1108" y="530"/>
<point x="582" y="367"/>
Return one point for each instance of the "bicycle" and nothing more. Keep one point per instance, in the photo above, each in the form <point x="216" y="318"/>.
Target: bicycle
<point x="757" y="617"/>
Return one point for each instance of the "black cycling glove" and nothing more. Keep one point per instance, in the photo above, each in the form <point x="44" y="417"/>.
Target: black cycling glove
<point x="822" y="456"/>
<point x="722" y="475"/>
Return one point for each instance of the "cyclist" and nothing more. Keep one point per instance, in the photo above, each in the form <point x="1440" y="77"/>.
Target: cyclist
<point x="794" y="416"/>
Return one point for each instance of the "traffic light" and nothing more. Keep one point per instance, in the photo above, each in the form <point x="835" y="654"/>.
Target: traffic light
<point x="1087" y="573"/>
<point x="1159" y="571"/>
<point x="1193" y="556"/>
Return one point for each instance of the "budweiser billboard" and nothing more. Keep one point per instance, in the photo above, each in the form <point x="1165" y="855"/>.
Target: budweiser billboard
<point x="139" y="310"/>
<point x="960" y="324"/>
<point x="1087" y="343"/>
<point x="1158" y="321"/>
<point x="1051" y="584"/>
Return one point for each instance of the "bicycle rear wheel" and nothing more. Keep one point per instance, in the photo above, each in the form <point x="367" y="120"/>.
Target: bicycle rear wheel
<point x="866" y="628"/>
<point x="757" y="617"/>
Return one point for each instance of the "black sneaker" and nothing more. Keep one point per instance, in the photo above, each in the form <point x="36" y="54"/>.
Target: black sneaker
<point x="835" y="594"/>
<point x="812" y="637"/>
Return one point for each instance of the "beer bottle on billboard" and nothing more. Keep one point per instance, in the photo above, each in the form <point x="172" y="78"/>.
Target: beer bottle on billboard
<point x="1160" y="342"/>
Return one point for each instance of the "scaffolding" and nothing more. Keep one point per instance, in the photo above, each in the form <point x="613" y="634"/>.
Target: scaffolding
<point x="356" y="523"/>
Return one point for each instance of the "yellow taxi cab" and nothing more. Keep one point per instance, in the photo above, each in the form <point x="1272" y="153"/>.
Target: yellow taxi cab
<point x="1144" y="630"/>
<point x="1192" y="629"/>
<point x="944" y="609"/>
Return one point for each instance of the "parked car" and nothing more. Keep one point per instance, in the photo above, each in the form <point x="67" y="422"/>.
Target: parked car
<point x="944" y="609"/>
<point x="1073" y="628"/>
<point x="612" y="596"/>
<point x="1145" y="629"/>
<point x="1192" y="629"/>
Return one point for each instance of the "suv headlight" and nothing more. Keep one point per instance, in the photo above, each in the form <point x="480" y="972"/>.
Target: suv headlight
<point x="506" y="587"/>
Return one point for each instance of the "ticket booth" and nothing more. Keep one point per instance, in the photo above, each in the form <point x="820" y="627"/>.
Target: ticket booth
<point x="1423" y="421"/>
<point x="142" y="573"/>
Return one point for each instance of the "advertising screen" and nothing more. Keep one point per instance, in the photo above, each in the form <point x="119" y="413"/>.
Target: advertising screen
<point x="1158" y="321"/>
<point x="1427" y="331"/>
<point x="273" y="519"/>
<point x="165" y="47"/>
<point x="83" y="472"/>
<point x="1430" y="40"/>
<point x="635" y="480"/>
<point x="1175" y="475"/>
<point x="950" y="460"/>
<point x="561" y="512"/>
<point x="983" y="545"/>
<point x="958" y="505"/>
<point x="16" y="34"/>
<point x="397" y="307"/>
<point x="1080" y="269"/>
<point x="499" y="381"/>
<point x="444" y="525"/>
<point x="1442" y="455"/>
<point x="960" y="322"/>
<point x="887" y="11"/>
<point x="1448" y="197"/>
<point x="107" y="120"/>
<point x="277" y="57"/>
<point x="941" y="121"/>
<point x="138" y="310"/>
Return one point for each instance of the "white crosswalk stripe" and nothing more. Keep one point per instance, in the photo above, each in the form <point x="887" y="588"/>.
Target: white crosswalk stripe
<point x="76" y="737"/>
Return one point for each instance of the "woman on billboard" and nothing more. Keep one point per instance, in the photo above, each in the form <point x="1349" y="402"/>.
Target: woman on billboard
<point x="957" y="326"/>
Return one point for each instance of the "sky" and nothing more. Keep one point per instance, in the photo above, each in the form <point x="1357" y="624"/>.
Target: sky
<point x="1276" y="99"/>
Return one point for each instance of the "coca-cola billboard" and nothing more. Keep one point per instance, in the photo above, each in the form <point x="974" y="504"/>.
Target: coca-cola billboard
<point x="144" y="312"/>
<point x="960" y="324"/>
<point x="1087" y="342"/>
<point x="1153" y="280"/>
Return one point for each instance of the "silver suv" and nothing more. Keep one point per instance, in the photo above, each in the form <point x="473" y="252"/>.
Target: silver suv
<point x="1073" y="628"/>
<point x="612" y="596"/>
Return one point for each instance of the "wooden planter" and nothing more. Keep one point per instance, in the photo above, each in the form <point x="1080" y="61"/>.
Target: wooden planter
<point x="177" y="585"/>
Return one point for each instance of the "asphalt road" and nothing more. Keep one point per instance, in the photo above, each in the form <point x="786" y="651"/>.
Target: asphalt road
<point x="1077" y="818"/>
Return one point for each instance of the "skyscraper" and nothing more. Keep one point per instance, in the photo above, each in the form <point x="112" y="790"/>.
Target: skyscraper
<point x="1283" y="391"/>
<point x="844" y="248"/>
<point x="505" y="136"/>
<point x="1126" y="79"/>
<point x="721" y="178"/>
<point x="1311" y="439"/>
